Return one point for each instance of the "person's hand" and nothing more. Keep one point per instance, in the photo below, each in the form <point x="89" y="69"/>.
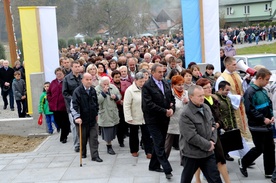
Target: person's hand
<point x="212" y="146"/>
<point x="267" y="121"/>
<point x="272" y="120"/>
<point x="113" y="96"/>
<point x="130" y="121"/>
<point x="169" y="112"/>
<point x="217" y="125"/>
<point x="23" y="97"/>
<point x="79" y="121"/>
<point x="185" y="100"/>
<point x="96" y="118"/>
<point x="105" y="89"/>
<point x="7" y="84"/>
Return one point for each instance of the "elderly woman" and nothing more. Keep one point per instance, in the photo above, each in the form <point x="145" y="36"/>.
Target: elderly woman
<point x="57" y="104"/>
<point x="93" y="70"/>
<point x="181" y="98"/>
<point x="108" y="94"/>
<point x="134" y="117"/>
<point x="212" y="102"/>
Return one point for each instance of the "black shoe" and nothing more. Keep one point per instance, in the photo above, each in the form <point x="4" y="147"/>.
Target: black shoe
<point x="110" y="150"/>
<point x="64" y="141"/>
<point x="229" y="158"/>
<point x="84" y="156"/>
<point x="168" y="176"/>
<point x="5" y="107"/>
<point x="28" y="116"/>
<point x="12" y="109"/>
<point x="58" y="130"/>
<point x="77" y="149"/>
<point x="252" y="164"/>
<point x="122" y="145"/>
<point x="243" y="170"/>
<point x="97" y="159"/>
<point x="268" y="176"/>
<point x="273" y="180"/>
<point x="160" y="170"/>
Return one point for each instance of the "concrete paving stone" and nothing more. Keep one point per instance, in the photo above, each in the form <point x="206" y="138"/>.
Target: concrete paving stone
<point x="2" y="166"/>
<point x="121" y="170"/>
<point x="20" y="166"/>
<point x="36" y="175"/>
<point x="121" y="179"/>
<point x="42" y="160"/>
<point x="103" y="180"/>
<point x="4" y="161"/>
<point x="37" y="165"/>
<point x="87" y="172"/>
<point x="8" y="175"/>
<point x="59" y="164"/>
<point x="146" y="179"/>
<point x="20" y="161"/>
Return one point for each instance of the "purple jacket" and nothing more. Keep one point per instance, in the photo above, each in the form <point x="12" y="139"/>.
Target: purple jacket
<point x="55" y="97"/>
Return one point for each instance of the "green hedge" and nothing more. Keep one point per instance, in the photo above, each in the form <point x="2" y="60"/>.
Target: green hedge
<point x="2" y="51"/>
<point x="62" y="44"/>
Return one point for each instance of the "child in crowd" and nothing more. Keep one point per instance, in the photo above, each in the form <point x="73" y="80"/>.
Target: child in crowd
<point x="19" y="91"/>
<point x="44" y="108"/>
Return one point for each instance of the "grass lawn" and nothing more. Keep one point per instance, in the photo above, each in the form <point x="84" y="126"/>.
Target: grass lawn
<point x="269" y="48"/>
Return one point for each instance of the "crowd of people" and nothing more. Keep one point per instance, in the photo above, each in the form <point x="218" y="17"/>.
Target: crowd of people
<point x="116" y="88"/>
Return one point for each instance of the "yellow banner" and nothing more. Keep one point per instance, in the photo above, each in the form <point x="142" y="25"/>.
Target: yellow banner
<point x="31" y="46"/>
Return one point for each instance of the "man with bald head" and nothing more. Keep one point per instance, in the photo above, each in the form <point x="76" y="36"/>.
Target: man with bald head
<point x="84" y="109"/>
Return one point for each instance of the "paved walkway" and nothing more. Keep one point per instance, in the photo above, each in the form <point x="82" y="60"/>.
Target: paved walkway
<point x="55" y="162"/>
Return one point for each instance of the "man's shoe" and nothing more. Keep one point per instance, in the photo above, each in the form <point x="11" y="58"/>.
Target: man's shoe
<point x="268" y="176"/>
<point x="243" y="170"/>
<point x="229" y="158"/>
<point x="169" y="176"/>
<point x="122" y="145"/>
<point x="64" y="141"/>
<point x="12" y="109"/>
<point x="5" y="107"/>
<point x="273" y="180"/>
<point x="252" y="164"/>
<point x="160" y="170"/>
<point x="84" y="156"/>
<point x="135" y="154"/>
<point x="77" y="149"/>
<point x="97" y="159"/>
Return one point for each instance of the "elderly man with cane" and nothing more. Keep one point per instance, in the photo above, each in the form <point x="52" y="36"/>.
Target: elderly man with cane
<point x="84" y="109"/>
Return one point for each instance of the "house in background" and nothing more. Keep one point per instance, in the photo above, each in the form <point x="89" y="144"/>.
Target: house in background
<point x="167" y="21"/>
<point x="247" y="11"/>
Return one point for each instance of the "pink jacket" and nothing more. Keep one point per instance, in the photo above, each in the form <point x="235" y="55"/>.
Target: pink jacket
<point x="55" y="97"/>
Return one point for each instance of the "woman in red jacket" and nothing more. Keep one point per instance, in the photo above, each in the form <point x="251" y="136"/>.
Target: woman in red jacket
<point x="57" y="104"/>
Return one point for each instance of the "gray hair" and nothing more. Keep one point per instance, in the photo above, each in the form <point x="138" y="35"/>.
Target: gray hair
<point x="153" y="68"/>
<point x="192" y="89"/>
<point x="103" y="79"/>
<point x="122" y="67"/>
<point x="139" y="75"/>
<point x="144" y="71"/>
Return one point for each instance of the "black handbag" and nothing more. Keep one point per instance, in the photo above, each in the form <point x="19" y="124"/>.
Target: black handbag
<point x="231" y="140"/>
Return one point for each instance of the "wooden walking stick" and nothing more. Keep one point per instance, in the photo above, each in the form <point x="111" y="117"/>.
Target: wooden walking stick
<point x="80" y="145"/>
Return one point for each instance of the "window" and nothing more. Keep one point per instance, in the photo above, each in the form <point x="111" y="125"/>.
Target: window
<point x="246" y="10"/>
<point x="266" y="7"/>
<point x="229" y="11"/>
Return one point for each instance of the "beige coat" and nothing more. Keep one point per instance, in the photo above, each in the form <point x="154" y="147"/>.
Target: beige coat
<point x="108" y="111"/>
<point x="133" y="105"/>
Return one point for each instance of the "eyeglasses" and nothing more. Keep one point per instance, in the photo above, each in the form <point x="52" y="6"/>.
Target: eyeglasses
<point x="207" y="88"/>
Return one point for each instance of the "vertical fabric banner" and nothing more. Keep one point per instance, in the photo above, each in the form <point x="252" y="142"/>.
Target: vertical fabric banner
<point x="191" y="27"/>
<point x="40" y="44"/>
<point x="211" y="32"/>
<point x="49" y="40"/>
<point x="31" y="48"/>
<point x="201" y="30"/>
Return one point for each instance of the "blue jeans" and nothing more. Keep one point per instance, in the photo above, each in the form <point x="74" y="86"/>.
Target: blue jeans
<point x="257" y="39"/>
<point x="49" y="120"/>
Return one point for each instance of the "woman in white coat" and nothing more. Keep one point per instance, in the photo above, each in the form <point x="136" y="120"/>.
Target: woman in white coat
<point x="181" y="98"/>
<point x="134" y="116"/>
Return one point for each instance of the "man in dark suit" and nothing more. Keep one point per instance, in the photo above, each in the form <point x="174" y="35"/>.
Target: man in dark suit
<point x="158" y="105"/>
<point x="6" y="78"/>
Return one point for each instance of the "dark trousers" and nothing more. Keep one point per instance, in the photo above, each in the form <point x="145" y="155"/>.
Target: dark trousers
<point x="207" y="165"/>
<point x="89" y="134"/>
<point x="122" y="128"/>
<point x="170" y="138"/>
<point x="264" y="143"/>
<point x="158" y="133"/>
<point x="11" y="97"/>
<point x="62" y="120"/>
<point x="21" y="108"/>
<point x="134" y="139"/>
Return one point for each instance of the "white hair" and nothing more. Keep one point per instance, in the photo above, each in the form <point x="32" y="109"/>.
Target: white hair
<point x="103" y="79"/>
<point x="122" y="67"/>
<point x="147" y="54"/>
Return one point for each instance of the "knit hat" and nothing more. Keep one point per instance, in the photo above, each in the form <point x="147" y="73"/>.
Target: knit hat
<point x="229" y="42"/>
